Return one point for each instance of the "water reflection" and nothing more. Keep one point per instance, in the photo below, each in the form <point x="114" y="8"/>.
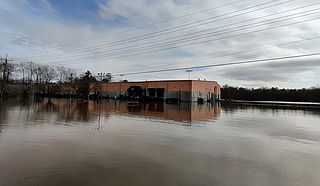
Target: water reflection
<point x="55" y="143"/>
<point x="64" y="111"/>
<point x="183" y="112"/>
<point x="60" y="111"/>
<point x="231" y="108"/>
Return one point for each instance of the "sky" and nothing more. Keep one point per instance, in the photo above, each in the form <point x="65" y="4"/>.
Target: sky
<point x="122" y="37"/>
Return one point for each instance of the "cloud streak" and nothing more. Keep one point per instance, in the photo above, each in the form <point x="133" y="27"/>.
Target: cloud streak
<point x="77" y="34"/>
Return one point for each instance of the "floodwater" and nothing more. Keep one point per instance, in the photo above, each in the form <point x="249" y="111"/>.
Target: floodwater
<point x="92" y="144"/>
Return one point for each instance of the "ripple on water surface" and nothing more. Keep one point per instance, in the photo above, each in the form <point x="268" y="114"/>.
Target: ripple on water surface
<point x="62" y="143"/>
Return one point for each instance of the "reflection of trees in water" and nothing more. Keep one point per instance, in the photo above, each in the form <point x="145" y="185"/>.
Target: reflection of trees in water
<point x="8" y="105"/>
<point x="50" y="107"/>
<point x="4" y="108"/>
<point x="3" y="112"/>
<point x="83" y="109"/>
<point x="42" y="111"/>
<point x="67" y="112"/>
<point x="63" y="111"/>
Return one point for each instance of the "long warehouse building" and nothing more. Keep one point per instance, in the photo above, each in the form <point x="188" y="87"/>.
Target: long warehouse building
<point x="180" y="90"/>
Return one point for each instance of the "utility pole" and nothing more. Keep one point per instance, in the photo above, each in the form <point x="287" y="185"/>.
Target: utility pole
<point x="188" y="71"/>
<point x="71" y="77"/>
<point x="5" y="75"/>
<point x="101" y="74"/>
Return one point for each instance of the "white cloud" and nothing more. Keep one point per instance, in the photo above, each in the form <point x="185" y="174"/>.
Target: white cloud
<point x="39" y="34"/>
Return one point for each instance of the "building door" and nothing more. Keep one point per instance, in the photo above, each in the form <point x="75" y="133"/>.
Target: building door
<point x="134" y="91"/>
<point x="160" y="92"/>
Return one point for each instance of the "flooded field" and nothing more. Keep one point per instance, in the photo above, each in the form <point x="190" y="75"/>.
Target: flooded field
<point x="113" y="143"/>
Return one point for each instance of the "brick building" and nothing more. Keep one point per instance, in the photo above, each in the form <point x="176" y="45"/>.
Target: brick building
<point x="180" y="90"/>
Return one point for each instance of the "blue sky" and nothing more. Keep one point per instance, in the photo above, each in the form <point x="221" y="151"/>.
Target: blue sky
<point x="128" y="36"/>
<point x="70" y="10"/>
<point x="84" y="10"/>
<point x="66" y="6"/>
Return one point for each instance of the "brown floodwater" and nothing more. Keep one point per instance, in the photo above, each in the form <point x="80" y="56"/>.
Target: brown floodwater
<point x="62" y="143"/>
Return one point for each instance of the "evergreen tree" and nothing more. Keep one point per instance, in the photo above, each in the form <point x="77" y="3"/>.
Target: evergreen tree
<point x="85" y="85"/>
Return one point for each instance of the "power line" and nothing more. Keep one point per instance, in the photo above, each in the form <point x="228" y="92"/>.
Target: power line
<point x="236" y="53"/>
<point x="219" y="65"/>
<point x="196" y="23"/>
<point x="196" y="43"/>
<point x="156" y="23"/>
<point x="193" y="24"/>
<point x="207" y="35"/>
<point x="152" y="42"/>
<point x="204" y="36"/>
<point x="232" y="24"/>
<point x="210" y="34"/>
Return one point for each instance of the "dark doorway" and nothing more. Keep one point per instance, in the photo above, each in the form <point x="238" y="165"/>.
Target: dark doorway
<point x="135" y="91"/>
<point x="152" y="92"/>
<point x="160" y="92"/>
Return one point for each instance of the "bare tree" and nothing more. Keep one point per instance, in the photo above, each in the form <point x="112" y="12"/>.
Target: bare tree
<point x="6" y="71"/>
<point x="48" y="73"/>
<point x="37" y="78"/>
<point x="71" y="75"/>
<point x="31" y="68"/>
<point x="1" y="71"/>
<point x="62" y="74"/>
<point x="22" y="67"/>
<point x="10" y="68"/>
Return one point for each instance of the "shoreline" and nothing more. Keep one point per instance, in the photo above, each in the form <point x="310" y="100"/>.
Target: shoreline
<point x="276" y="103"/>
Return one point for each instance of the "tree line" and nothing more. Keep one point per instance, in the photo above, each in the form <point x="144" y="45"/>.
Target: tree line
<point x="271" y="94"/>
<point x="27" y="78"/>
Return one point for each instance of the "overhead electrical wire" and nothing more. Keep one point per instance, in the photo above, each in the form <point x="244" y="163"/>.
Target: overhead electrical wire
<point x="220" y="64"/>
<point x="197" y="23"/>
<point x="204" y="36"/>
<point x="193" y="24"/>
<point x="151" y="42"/>
<point x="148" y="46"/>
<point x="196" y="43"/>
<point x="242" y="27"/>
<point x="220" y="38"/>
<point x="231" y="24"/>
<point x="156" y="23"/>
<point x="235" y="53"/>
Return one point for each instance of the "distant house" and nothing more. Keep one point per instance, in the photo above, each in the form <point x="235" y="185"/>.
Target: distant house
<point x="180" y="90"/>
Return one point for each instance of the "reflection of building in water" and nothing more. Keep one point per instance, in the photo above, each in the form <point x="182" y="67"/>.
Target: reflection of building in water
<point x="189" y="112"/>
<point x="181" y="90"/>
